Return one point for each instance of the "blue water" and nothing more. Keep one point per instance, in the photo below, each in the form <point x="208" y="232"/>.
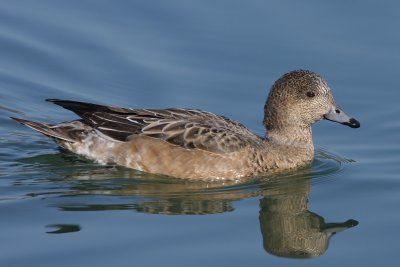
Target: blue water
<point x="58" y="209"/>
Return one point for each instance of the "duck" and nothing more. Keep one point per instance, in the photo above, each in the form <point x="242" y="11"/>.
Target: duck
<point x="200" y="145"/>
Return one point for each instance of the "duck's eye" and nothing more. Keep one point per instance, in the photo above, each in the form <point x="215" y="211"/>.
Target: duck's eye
<point x="310" y="94"/>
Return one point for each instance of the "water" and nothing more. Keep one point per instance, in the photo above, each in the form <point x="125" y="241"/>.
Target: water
<point x="58" y="209"/>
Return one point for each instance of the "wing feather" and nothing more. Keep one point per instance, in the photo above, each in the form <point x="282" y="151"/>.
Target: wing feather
<point x="188" y="128"/>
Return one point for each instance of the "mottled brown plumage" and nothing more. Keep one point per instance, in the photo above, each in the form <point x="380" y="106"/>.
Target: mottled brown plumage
<point x="190" y="143"/>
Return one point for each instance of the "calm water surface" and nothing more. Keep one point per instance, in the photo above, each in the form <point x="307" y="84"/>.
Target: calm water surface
<point x="58" y="209"/>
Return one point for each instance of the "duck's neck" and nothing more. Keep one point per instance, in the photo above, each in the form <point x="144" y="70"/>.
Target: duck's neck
<point x="295" y="136"/>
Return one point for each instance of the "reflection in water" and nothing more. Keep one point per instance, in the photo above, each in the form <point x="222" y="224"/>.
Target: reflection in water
<point x="63" y="228"/>
<point x="288" y="228"/>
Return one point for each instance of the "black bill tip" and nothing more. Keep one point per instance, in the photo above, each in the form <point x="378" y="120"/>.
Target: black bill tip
<point x="353" y="123"/>
<point x="351" y="223"/>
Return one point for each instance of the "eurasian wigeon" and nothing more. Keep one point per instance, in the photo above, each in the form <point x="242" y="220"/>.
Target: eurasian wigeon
<point x="195" y="144"/>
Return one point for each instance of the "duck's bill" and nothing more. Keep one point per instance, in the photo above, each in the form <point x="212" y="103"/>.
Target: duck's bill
<point x="333" y="228"/>
<point x="337" y="115"/>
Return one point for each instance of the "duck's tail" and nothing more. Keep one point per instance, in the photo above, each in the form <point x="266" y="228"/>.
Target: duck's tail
<point x="67" y="131"/>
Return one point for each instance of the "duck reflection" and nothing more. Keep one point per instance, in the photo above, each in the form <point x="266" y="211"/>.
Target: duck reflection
<point x="289" y="229"/>
<point x="287" y="226"/>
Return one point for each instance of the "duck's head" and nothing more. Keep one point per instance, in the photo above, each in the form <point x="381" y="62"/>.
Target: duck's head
<point x="300" y="98"/>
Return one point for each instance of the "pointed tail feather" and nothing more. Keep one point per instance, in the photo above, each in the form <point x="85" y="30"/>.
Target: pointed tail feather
<point x="46" y="129"/>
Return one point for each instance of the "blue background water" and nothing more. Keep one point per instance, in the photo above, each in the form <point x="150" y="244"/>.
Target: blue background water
<point x="60" y="210"/>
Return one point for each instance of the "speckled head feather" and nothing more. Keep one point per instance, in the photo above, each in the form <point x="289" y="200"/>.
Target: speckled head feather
<point x="297" y="99"/>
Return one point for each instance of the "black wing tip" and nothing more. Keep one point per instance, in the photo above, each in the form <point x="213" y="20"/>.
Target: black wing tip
<point x="72" y="105"/>
<point x="53" y="100"/>
<point x="59" y="101"/>
<point x="63" y="102"/>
